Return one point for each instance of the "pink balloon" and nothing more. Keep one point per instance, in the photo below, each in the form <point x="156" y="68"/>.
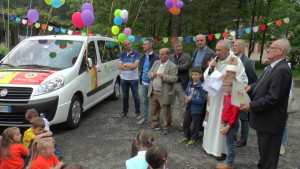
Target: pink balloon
<point x="179" y="4"/>
<point x="77" y="21"/>
<point x="169" y="3"/>
<point x="87" y="17"/>
<point x="33" y="15"/>
<point x="87" y="6"/>
<point x="127" y="31"/>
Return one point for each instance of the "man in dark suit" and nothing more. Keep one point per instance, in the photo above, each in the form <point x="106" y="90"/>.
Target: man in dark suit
<point x="201" y="51"/>
<point x="239" y="49"/>
<point x="268" y="108"/>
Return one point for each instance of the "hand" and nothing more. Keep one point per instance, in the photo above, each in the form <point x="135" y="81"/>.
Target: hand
<point x="154" y="74"/>
<point x="187" y="99"/>
<point x="213" y="63"/>
<point x="223" y="76"/>
<point x="204" y="124"/>
<point x="224" y="130"/>
<point x="247" y="88"/>
<point x="160" y="75"/>
<point x="245" y="107"/>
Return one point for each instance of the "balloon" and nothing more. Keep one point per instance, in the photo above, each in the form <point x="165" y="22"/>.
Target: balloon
<point x="56" y="29"/>
<point x="131" y="38"/>
<point x="87" y="17"/>
<point x="124" y="14"/>
<point x="174" y="10"/>
<point x="118" y="21"/>
<point x="11" y="17"/>
<point x="115" y="30"/>
<point x="127" y="31"/>
<point x="76" y="19"/>
<point x="56" y="3"/>
<point x="48" y="2"/>
<point x="33" y="15"/>
<point x="179" y="4"/>
<point x="87" y="6"/>
<point x="124" y="20"/>
<point x="117" y="13"/>
<point x="121" y="37"/>
<point x="63" y="1"/>
<point x="169" y="3"/>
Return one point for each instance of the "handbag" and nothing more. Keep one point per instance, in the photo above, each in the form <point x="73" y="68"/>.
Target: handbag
<point x="293" y="107"/>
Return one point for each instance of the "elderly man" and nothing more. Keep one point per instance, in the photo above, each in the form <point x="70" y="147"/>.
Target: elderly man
<point x="268" y="108"/>
<point x="239" y="49"/>
<point x="162" y="75"/>
<point x="128" y="64"/>
<point x="182" y="60"/>
<point x="149" y="57"/>
<point x="201" y="51"/>
<point x="213" y="140"/>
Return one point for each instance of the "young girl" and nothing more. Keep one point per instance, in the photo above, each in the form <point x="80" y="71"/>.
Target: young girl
<point x="12" y="149"/>
<point x="156" y="157"/>
<point x="141" y="143"/>
<point x="43" y="156"/>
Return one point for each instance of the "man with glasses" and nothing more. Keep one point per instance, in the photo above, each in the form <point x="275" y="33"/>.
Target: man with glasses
<point x="128" y="64"/>
<point x="201" y="51"/>
<point x="268" y="108"/>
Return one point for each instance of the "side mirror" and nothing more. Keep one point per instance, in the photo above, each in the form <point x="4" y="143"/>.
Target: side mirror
<point x="90" y="62"/>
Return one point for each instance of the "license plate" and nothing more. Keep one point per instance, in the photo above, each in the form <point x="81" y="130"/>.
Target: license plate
<point x="5" y="109"/>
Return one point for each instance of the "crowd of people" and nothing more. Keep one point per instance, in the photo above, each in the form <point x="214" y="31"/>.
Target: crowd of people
<point x="203" y="114"/>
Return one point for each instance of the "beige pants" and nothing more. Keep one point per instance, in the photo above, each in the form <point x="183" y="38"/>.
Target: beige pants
<point x="157" y="106"/>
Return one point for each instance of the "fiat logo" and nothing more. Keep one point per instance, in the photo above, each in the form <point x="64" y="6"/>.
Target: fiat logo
<point x="3" y="92"/>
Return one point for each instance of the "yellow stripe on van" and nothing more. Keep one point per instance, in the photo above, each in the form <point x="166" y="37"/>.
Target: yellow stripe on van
<point x="6" y="77"/>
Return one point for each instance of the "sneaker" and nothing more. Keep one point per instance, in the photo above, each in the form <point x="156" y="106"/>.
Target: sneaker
<point x="166" y="132"/>
<point x="142" y="121"/>
<point x="184" y="140"/>
<point x="154" y="128"/>
<point x="122" y="114"/>
<point x="282" y="151"/>
<point x="138" y="117"/>
<point x="221" y="158"/>
<point x="191" y="143"/>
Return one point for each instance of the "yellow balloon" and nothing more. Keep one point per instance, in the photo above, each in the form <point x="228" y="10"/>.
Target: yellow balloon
<point x="63" y="1"/>
<point x="48" y="2"/>
<point x="115" y="30"/>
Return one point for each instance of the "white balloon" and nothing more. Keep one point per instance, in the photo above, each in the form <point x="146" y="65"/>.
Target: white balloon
<point x="124" y="14"/>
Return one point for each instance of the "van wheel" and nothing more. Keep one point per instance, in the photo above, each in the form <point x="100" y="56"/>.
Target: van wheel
<point x="75" y="111"/>
<point x="116" y="93"/>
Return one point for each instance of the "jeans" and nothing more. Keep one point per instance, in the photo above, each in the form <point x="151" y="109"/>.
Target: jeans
<point x="230" y="139"/>
<point x="145" y="101"/>
<point x="244" y="125"/>
<point x="133" y="84"/>
<point x="285" y="133"/>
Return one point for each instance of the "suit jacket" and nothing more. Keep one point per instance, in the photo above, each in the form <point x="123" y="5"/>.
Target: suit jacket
<point x="170" y="77"/>
<point x="183" y="66"/>
<point x="208" y="51"/>
<point x="270" y="100"/>
<point x="249" y="69"/>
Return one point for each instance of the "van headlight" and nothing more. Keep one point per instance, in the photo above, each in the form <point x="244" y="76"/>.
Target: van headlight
<point x="50" y="85"/>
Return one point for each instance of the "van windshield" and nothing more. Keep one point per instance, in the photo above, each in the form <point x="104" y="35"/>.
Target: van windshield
<point x="43" y="54"/>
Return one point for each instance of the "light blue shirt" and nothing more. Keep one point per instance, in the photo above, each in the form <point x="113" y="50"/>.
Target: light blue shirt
<point x="137" y="162"/>
<point x="199" y="57"/>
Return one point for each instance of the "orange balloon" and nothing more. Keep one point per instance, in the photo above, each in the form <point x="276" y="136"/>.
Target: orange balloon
<point x="174" y="10"/>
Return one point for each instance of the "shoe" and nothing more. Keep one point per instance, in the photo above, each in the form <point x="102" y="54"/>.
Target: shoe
<point x="241" y="143"/>
<point x="142" y="121"/>
<point x="282" y="151"/>
<point x="166" y="132"/>
<point x="154" y="128"/>
<point x="184" y="140"/>
<point x="222" y="158"/>
<point x="138" y="117"/>
<point x="223" y="166"/>
<point x="122" y="114"/>
<point x="191" y="143"/>
<point x="180" y="128"/>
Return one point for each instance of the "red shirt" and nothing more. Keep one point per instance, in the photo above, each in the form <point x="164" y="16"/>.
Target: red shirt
<point x="230" y="112"/>
<point x="41" y="163"/>
<point x="16" y="161"/>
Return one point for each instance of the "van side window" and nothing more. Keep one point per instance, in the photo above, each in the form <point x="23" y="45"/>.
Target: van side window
<point x="92" y="53"/>
<point x="109" y="49"/>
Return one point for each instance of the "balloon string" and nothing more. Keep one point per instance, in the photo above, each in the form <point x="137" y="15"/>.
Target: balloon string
<point x="109" y="22"/>
<point x="47" y="21"/>
<point x="137" y="14"/>
<point x="128" y="11"/>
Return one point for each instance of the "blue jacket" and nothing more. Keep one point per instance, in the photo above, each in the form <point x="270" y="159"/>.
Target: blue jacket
<point x="198" y="98"/>
<point x="152" y="58"/>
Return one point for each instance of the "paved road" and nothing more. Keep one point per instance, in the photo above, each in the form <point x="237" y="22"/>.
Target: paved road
<point x="104" y="142"/>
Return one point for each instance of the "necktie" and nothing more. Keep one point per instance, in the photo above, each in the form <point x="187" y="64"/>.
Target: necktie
<point x="263" y="77"/>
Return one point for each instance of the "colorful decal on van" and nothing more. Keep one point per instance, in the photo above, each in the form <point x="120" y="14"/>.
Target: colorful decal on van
<point x="94" y="78"/>
<point x="23" y="77"/>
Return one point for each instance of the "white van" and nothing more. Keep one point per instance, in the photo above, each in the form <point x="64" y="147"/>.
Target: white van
<point x="59" y="75"/>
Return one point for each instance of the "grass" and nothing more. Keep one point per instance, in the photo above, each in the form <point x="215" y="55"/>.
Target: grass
<point x="296" y="73"/>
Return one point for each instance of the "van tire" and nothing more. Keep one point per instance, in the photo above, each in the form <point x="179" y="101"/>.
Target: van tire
<point x="75" y="112"/>
<point x="116" y="93"/>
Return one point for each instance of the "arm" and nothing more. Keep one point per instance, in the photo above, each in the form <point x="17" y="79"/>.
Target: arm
<point x="200" y="99"/>
<point x="172" y="76"/>
<point x="122" y="67"/>
<point x="241" y="74"/>
<point x="151" y="73"/>
<point x="59" y="165"/>
<point x="133" y="65"/>
<point x="45" y="134"/>
<point x="186" y="65"/>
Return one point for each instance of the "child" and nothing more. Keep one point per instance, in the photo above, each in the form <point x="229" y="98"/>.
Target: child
<point x="74" y="166"/>
<point x="141" y="143"/>
<point x="43" y="156"/>
<point x="12" y="149"/>
<point x="195" y="98"/>
<point x="230" y="116"/>
<point x="35" y="132"/>
<point x="32" y="114"/>
<point x="156" y="157"/>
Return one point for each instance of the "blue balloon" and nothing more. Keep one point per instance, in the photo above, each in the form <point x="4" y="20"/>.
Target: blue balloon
<point x="56" y="29"/>
<point x="118" y="21"/>
<point x="131" y="38"/>
<point x="56" y="3"/>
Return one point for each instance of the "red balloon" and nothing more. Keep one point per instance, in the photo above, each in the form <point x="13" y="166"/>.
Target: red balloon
<point x="175" y="0"/>
<point x="174" y="10"/>
<point x="76" y="19"/>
